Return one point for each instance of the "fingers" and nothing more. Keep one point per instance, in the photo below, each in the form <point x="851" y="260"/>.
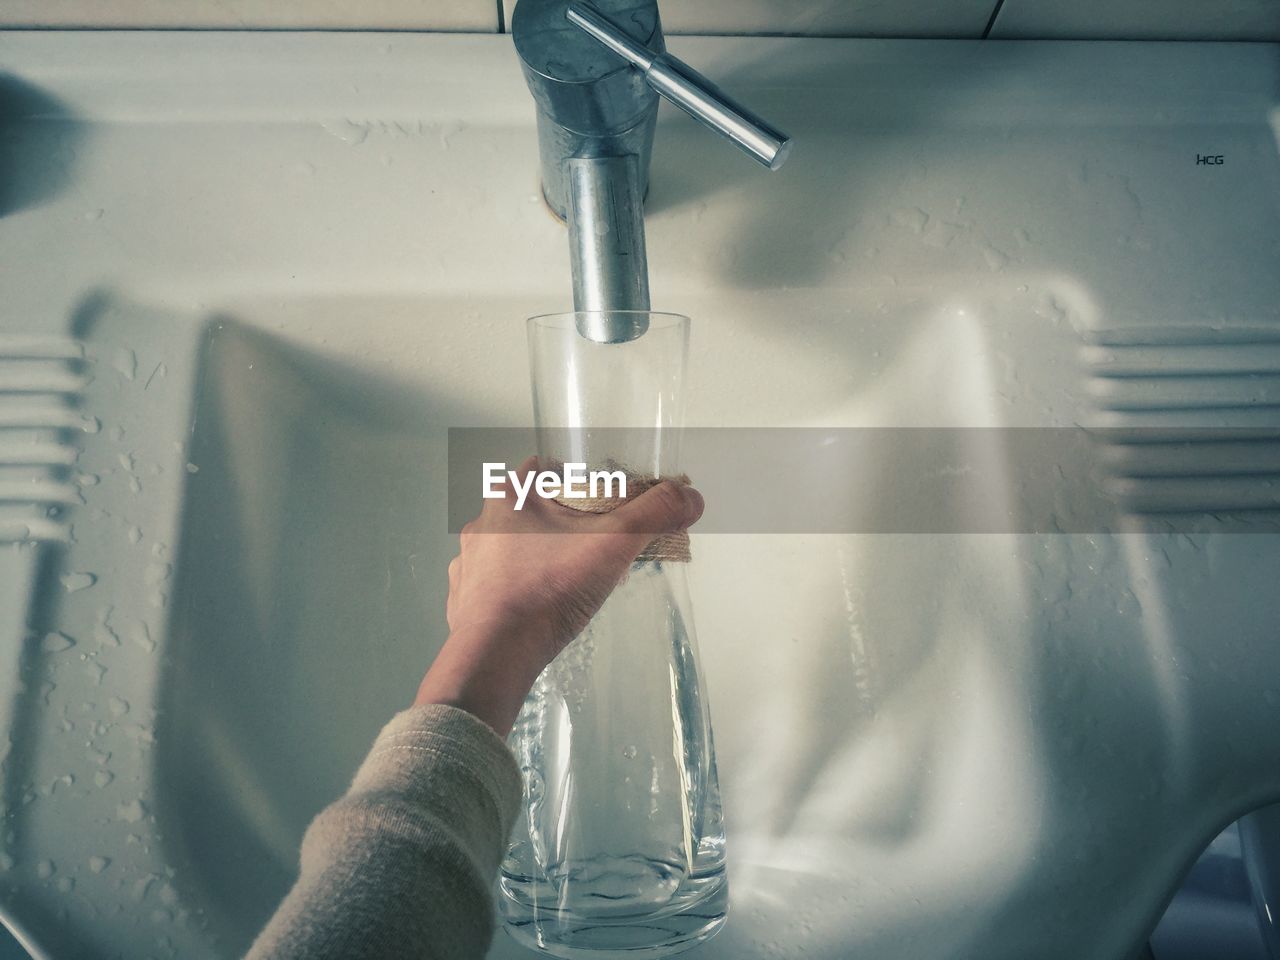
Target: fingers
<point x="508" y="499"/>
<point x="530" y="465"/>
<point x="665" y="508"/>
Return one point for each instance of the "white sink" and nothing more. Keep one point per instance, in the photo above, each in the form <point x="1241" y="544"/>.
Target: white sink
<point x="289" y="279"/>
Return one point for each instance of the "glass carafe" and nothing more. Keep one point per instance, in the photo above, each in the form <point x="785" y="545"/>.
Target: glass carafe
<point x="620" y="844"/>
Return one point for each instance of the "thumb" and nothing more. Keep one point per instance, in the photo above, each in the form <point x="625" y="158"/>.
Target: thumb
<point x="664" y="508"/>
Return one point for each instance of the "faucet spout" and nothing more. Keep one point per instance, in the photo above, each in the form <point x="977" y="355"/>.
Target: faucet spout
<point x="606" y="247"/>
<point x="595" y="72"/>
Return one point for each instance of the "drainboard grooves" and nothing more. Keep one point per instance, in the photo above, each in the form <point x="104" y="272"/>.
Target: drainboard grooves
<point x="38" y="413"/>
<point x="36" y="453"/>
<point x="1212" y="459"/>
<point x="1197" y="494"/>
<point x="1188" y="421"/>
<point x="1191" y="392"/>
<point x="41" y="380"/>
<point x="1205" y="426"/>
<point x="1180" y="360"/>
<point x="40" y="376"/>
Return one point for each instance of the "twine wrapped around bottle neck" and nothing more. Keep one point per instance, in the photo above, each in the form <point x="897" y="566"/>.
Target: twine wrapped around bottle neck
<point x="666" y="547"/>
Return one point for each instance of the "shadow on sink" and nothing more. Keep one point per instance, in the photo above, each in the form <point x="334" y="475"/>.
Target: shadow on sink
<point x="39" y="138"/>
<point x="309" y="592"/>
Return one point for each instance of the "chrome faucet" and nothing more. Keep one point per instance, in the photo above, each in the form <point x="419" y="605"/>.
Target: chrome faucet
<point x="596" y="72"/>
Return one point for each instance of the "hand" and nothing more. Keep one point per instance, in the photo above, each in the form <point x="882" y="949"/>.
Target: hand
<point x="527" y="582"/>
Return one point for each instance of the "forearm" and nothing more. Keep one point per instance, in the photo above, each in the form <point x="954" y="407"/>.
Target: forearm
<point x="404" y="863"/>
<point x="485" y="671"/>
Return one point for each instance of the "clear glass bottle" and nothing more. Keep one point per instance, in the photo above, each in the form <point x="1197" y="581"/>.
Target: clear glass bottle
<point x="620" y="842"/>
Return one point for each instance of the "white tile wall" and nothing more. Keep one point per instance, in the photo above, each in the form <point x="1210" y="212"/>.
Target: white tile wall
<point x="1080" y="19"/>
<point x="1140" y="19"/>
<point x="470" y="15"/>
<point x="822" y="18"/>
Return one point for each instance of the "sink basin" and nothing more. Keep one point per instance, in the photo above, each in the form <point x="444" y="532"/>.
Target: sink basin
<point x="306" y="602"/>
<point x="930" y="746"/>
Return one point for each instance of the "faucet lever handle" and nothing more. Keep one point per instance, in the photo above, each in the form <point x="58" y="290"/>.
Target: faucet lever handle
<point x="689" y="90"/>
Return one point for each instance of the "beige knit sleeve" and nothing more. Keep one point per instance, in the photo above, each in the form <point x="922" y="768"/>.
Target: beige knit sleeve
<point x="403" y="865"/>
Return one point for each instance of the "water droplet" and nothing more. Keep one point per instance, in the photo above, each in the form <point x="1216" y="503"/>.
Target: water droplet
<point x="913" y="219"/>
<point x="72" y="582"/>
<point x="87" y="479"/>
<point x="6" y="862"/>
<point x="348" y="131"/>
<point x="103" y="777"/>
<point x="126" y="362"/>
<point x="56" y="642"/>
<point x="65" y="780"/>
<point x="117" y="434"/>
<point x="996" y="259"/>
<point x="98" y="864"/>
<point x="629" y="752"/>
<point x="102" y="631"/>
<point x="66" y="884"/>
<point x="96" y="672"/>
<point x="92" y="215"/>
<point x="141" y="635"/>
<point x="156" y="574"/>
<point x="45" y="869"/>
<point x="131" y="812"/>
<point x="192" y="468"/>
<point x="143" y="884"/>
<point x="118" y="707"/>
<point x="90" y="425"/>
<point x="135" y="535"/>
